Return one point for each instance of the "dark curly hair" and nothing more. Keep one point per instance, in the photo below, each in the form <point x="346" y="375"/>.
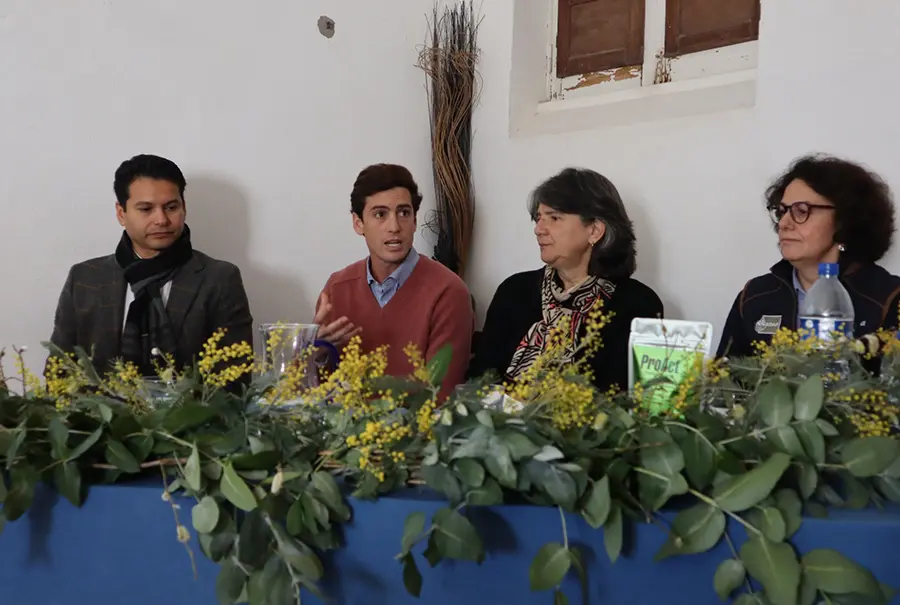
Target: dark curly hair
<point x="382" y="177"/>
<point x="864" y="206"/>
<point x="593" y="197"/>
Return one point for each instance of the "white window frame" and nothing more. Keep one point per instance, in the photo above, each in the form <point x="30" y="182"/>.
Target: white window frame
<point x="656" y="70"/>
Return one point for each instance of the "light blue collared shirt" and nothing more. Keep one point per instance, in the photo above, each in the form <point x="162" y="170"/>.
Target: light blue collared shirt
<point x="385" y="291"/>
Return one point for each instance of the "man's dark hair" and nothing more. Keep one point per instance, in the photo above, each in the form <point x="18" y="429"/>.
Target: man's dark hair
<point x="382" y="177"/>
<point x="593" y="197"/>
<point x="147" y="167"/>
<point x="864" y="207"/>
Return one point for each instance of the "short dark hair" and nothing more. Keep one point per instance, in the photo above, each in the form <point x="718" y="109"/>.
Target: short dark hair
<point x="147" y="167"/>
<point x="864" y="206"/>
<point x="382" y="177"/>
<point x="593" y="197"/>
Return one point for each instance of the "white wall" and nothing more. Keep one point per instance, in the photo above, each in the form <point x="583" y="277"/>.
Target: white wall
<point x="694" y="186"/>
<point x="271" y="122"/>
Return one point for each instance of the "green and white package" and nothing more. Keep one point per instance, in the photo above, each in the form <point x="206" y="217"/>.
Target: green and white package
<point x="662" y="353"/>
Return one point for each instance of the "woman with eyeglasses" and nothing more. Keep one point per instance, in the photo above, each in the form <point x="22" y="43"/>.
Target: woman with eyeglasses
<point x="825" y="210"/>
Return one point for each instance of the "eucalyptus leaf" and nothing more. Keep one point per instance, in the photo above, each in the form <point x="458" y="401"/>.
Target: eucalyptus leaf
<point x="827" y="428"/>
<point x="432" y="554"/>
<point x="791" y="508"/>
<point x="188" y="416"/>
<point x="699" y="459"/>
<point x="597" y="504"/>
<point x="255" y="539"/>
<point x="834" y="573"/>
<point x="330" y="494"/>
<point x="105" y="411"/>
<point x="67" y="478"/>
<point x="412" y="578"/>
<point x="230" y="582"/>
<point x="813" y="441"/>
<point x="85" y="445"/>
<point x="476" y="446"/>
<point x="775" y="566"/>
<point x="441" y="479"/>
<point x="314" y="512"/>
<point x="520" y="446"/>
<point x="556" y="483"/>
<point x="489" y="494"/>
<point x="769" y="521"/>
<point x="296" y="520"/>
<point x="484" y="417"/>
<point x="205" y="515"/>
<point x="776" y="406"/>
<point x="655" y="491"/>
<point x="743" y="491"/>
<point x="889" y="486"/>
<point x="809" y="398"/>
<point x="119" y="456"/>
<point x="786" y="440"/>
<point x="694" y="530"/>
<point x="549" y="566"/>
<point x="470" y="471"/>
<point x="659" y="453"/>
<point x="868" y="456"/>
<point x="549" y="453"/>
<point x="59" y="435"/>
<point x="140" y="446"/>
<point x="456" y="537"/>
<point x="612" y="533"/>
<point x="192" y="473"/>
<point x="439" y="364"/>
<point x="499" y="464"/>
<point x="729" y="576"/>
<point x="412" y="529"/>
<point x="808" y="478"/>
<point x="300" y="557"/>
<point x="235" y="490"/>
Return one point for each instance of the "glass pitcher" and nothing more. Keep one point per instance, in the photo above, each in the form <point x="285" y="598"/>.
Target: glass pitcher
<point x="284" y="344"/>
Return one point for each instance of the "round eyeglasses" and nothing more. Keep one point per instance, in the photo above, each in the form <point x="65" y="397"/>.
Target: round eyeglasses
<point x="799" y="211"/>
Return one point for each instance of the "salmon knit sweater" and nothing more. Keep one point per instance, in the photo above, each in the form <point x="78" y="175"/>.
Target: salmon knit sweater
<point x="431" y="308"/>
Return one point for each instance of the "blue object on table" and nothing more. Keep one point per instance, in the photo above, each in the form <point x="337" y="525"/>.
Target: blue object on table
<point x="121" y="549"/>
<point x="333" y="356"/>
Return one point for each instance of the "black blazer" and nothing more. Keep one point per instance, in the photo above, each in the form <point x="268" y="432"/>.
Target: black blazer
<point x="769" y="301"/>
<point x="516" y="306"/>
<point x="207" y="294"/>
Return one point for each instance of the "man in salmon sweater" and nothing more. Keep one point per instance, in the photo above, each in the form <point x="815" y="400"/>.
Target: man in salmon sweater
<point x="395" y="296"/>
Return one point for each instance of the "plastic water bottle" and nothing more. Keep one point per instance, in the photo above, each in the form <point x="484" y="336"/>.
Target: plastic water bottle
<point x="827" y="314"/>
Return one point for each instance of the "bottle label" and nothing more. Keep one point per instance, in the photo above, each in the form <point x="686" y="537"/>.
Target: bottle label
<point x="825" y="329"/>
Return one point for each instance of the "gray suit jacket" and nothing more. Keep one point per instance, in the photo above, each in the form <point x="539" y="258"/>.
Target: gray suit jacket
<point x="207" y="294"/>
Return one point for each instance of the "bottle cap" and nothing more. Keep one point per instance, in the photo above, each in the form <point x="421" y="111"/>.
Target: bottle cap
<point x="828" y="269"/>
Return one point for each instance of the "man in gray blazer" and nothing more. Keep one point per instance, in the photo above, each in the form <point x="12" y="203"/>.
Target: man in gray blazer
<point x="155" y="292"/>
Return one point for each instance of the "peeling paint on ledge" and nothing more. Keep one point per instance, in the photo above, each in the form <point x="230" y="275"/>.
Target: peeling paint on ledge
<point x="607" y="75"/>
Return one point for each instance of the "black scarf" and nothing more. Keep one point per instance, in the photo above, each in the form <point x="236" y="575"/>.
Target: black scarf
<point x="147" y="325"/>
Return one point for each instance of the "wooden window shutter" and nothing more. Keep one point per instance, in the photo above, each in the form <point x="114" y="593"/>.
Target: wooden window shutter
<point x="593" y="35"/>
<point x="696" y="25"/>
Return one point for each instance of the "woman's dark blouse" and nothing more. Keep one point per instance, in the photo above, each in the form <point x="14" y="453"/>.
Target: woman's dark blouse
<point x="516" y="306"/>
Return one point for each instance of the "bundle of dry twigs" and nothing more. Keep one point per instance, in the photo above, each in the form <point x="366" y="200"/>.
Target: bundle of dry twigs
<point x="449" y="60"/>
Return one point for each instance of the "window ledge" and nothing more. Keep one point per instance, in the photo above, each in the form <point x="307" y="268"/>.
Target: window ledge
<point x="710" y="94"/>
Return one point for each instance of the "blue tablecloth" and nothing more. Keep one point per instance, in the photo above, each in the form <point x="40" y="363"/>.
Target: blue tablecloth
<point x="121" y="549"/>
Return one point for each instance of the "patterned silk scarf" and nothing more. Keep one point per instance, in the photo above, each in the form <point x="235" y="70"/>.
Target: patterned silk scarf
<point x="559" y="308"/>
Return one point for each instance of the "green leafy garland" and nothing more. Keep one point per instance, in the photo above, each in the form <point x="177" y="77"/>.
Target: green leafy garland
<point x="760" y="441"/>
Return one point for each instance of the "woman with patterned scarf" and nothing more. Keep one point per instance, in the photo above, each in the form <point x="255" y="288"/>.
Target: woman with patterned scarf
<point x="588" y="246"/>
